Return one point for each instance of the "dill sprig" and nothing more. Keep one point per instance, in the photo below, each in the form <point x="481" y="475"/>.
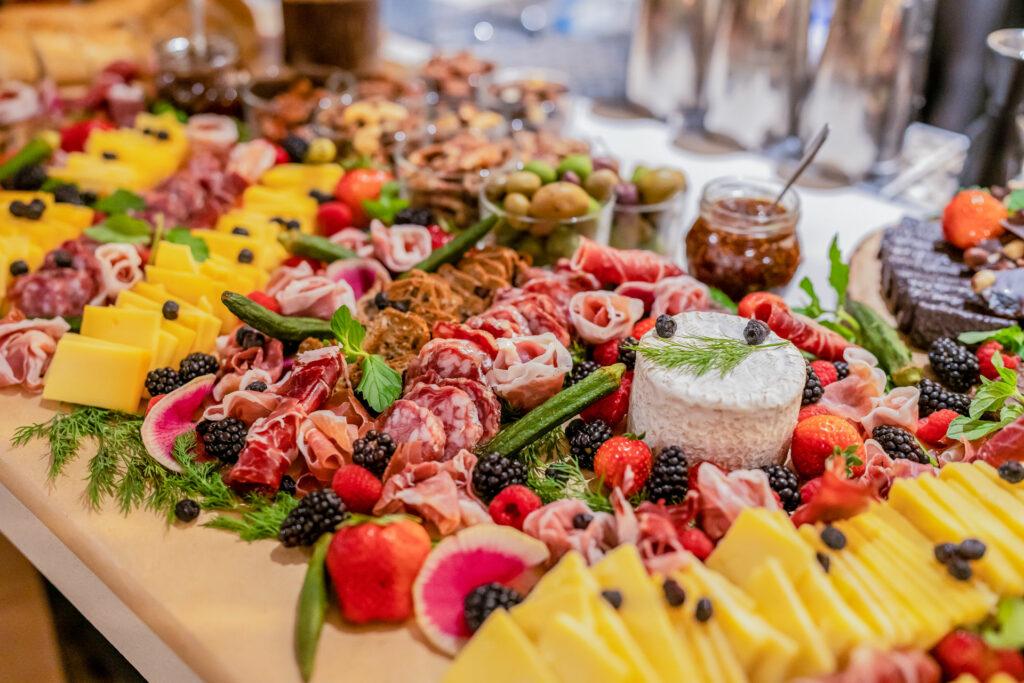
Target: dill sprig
<point x="700" y="355"/>
<point x="260" y="518"/>
<point x="553" y="475"/>
<point x="65" y="433"/>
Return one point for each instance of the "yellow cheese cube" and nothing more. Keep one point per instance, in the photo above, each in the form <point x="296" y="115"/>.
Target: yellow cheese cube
<point x="499" y="653"/>
<point x="229" y="246"/>
<point x="195" y="289"/>
<point x="96" y="373"/>
<point x="147" y="296"/>
<point x="184" y="340"/>
<point x="286" y="203"/>
<point x="175" y="256"/>
<point x="167" y="345"/>
<point x="303" y="177"/>
<point x="133" y="327"/>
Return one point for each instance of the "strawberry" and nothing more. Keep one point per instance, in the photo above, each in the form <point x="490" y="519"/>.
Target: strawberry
<point x="607" y="353"/>
<point x="623" y="463"/>
<point x="438" y="236"/>
<point x="265" y="300"/>
<point x="358" y="489"/>
<point x="932" y="429"/>
<point x="811" y="411"/>
<point x="825" y="371"/>
<point x="511" y="506"/>
<point x="642" y="327"/>
<point x="962" y="653"/>
<point x="816" y="439"/>
<point x="697" y="542"/>
<point x="972" y="217"/>
<point x="373" y="564"/>
<point x="985" y="353"/>
<point x="74" y="136"/>
<point x="293" y="261"/>
<point x="611" y="408"/>
<point x="332" y="217"/>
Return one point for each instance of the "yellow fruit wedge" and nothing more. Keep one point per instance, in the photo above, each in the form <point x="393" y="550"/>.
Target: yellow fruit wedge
<point x="570" y="650"/>
<point x="617" y="638"/>
<point x="754" y="535"/>
<point x="535" y="612"/>
<point x="499" y="653"/>
<point x="990" y="473"/>
<point x="999" y="501"/>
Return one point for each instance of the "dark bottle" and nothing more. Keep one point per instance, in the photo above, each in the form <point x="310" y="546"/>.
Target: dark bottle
<point x="996" y="144"/>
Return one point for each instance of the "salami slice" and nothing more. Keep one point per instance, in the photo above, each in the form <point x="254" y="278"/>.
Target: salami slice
<point x="560" y="286"/>
<point x="483" y="339"/>
<point x="488" y="408"/>
<point x="409" y="423"/>
<point x="450" y="358"/>
<point x="457" y="412"/>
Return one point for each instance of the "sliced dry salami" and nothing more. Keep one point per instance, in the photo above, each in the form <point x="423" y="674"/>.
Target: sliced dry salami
<point x="449" y="358"/>
<point x="488" y="408"/>
<point x="409" y="423"/>
<point x="457" y="411"/>
<point x="483" y="339"/>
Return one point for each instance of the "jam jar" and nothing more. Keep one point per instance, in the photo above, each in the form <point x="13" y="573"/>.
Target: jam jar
<point x="742" y="241"/>
<point x="200" y="82"/>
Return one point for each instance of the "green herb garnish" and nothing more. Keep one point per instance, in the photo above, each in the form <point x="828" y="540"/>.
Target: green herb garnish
<point x="838" y="319"/>
<point x="121" y="201"/>
<point x="120" y="227"/>
<point x="999" y="397"/>
<point x="701" y="355"/>
<point x="260" y="518"/>
<point x="722" y="299"/>
<point x="1007" y="632"/>
<point x="1015" y="201"/>
<point x="1012" y="338"/>
<point x="200" y="251"/>
<point x="388" y="204"/>
<point x="380" y="384"/>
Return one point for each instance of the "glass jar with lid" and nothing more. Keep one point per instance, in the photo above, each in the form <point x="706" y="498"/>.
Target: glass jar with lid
<point x="743" y="241"/>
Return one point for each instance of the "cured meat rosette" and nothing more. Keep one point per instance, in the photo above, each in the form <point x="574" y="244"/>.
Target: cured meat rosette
<point x="300" y="292"/>
<point x="602" y="316"/>
<point x="26" y="347"/>
<point x="400" y="247"/>
<point x="457" y="412"/>
<point x="529" y="370"/>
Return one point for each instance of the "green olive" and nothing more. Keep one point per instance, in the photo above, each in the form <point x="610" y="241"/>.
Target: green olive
<point x="542" y="169"/>
<point x="495" y="189"/>
<point x="660" y="184"/>
<point x="601" y="184"/>
<point x="523" y="182"/>
<point x="639" y="173"/>
<point x="562" y="242"/>
<point x="517" y="204"/>
<point x="531" y="246"/>
<point x="580" y="164"/>
<point x="559" y="200"/>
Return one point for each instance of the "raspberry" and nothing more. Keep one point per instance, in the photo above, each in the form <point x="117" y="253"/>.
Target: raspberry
<point x="932" y="429"/>
<point x="825" y="371"/>
<point x="333" y="217"/>
<point x="985" y="353"/>
<point x="512" y="505"/>
<point x="643" y="327"/>
<point x="607" y="353"/>
<point x="697" y="542"/>
<point x="358" y="489"/>
<point x="809" y="490"/>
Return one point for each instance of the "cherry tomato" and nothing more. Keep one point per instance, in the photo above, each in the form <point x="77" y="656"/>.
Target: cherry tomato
<point x="357" y="185"/>
<point x="74" y="135"/>
<point x="333" y="217"/>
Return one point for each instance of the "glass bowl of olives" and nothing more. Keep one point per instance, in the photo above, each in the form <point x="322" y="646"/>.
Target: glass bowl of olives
<point x="649" y="211"/>
<point x="544" y="209"/>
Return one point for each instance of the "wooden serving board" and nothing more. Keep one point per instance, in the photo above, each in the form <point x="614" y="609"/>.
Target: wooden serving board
<point x="226" y="607"/>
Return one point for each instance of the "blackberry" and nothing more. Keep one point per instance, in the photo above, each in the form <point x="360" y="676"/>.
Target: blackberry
<point x="954" y="364"/>
<point x="162" y="381"/>
<point x="627" y="354"/>
<point x="373" y="451"/>
<point x="585" y="438"/>
<point x="287" y="485"/>
<point x="812" y="388"/>
<point x="484" y="599"/>
<point x="415" y="216"/>
<point x="224" y="439"/>
<point x="66" y="193"/>
<point x="579" y="371"/>
<point x="842" y="369"/>
<point x="897" y="442"/>
<point x="670" y="476"/>
<point x="1012" y="471"/>
<point x="196" y="364"/>
<point x="493" y="473"/>
<point x="784" y="482"/>
<point x="316" y="514"/>
<point x="296" y="147"/>
<point x="249" y="338"/>
<point x="665" y="326"/>
<point x="755" y="332"/>
<point x="186" y="510"/>
<point x="27" y="179"/>
<point x="935" y="397"/>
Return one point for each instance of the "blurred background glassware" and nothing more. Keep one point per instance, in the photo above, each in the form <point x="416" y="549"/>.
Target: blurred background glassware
<point x="21" y="115"/>
<point x="757" y="71"/>
<point x="370" y="127"/>
<point x="456" y="78"/>
<point x="343" y="33"/>
<point x="743" y="241"/>
<point x="530" y="98"/>
<point x="285" y="98"/>
<point x="546" y="240"/>
<point x="650" y="219"/>
<point x="668" y="57"/>
<point x="996" y="151"/>
<point x="200" y="82"/>
<point x="868" y="84"/>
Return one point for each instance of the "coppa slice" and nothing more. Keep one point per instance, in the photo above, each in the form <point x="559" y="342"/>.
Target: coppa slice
<point x="481" y="554"/>
<point x="171" y="417"/>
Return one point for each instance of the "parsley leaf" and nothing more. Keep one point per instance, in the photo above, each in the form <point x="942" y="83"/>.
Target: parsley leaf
<point x="121" y="201"/>
<point x="813" y="309"/>
<point x="200" y="252"/>
<point x="1012" y="338"/>
<point x="839" y="271"/>
<point x="387" y="205"/>
<point x="380" y="386"/>
<point x="120" y="228"/>
<point x="1015" y="202"/>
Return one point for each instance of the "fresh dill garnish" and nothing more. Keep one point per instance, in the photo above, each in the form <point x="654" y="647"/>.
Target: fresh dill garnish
<point x="261" y="518"/>
<point x="700" y="355"/>
<point x="553" y="475"/>
<point x="65" y="432"/>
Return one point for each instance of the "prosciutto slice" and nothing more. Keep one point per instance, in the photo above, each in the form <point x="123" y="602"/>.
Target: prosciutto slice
<point x="613" y="266"/>
<point x="271" y="445"/>
<point x="120" y="268"/>
<point x="355" y="240"/>
<point x="400" y="247"/>
<point x="652" y="530"/>
<point x="245" y="405"/>
<point x="553" y="525"/>
<point x="1006" y="444"/>
<point x="326" y="437"/>
<point x="242" y="367"/>
<point x="449" y="358"/>
<point x="541" y="312"/>
<point x="26" y="347"/>
<point x="723" y="496"/>
<point x="412" y="425"/>
<point x="457" y="412"/>
<point x="805" y="334"/>
<point x="250" y="160"/>
<point x="602" y="316"/>
<point x="560" y="286"/>
<point x="869" y="665"/>
<point x="366" y="276"/>
<point x="529" y="370"/>
<point x="299" y="292"/>
<point x="439" y="492"/>
<point x="880" y="470"/>
<point x="855" y="396"/>
<point x="898" y="407"/>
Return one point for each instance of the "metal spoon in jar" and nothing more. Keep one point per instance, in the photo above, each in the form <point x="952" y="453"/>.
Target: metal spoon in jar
<point x="197" y="10"/>
<point x="812" y="151"/>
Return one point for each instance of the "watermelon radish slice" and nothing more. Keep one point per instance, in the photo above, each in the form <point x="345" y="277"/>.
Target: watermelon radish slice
<point x="477" y="555"/>
<point x="171" y="417"/>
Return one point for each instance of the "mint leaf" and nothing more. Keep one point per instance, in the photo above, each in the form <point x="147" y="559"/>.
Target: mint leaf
<point x="121" y="201"/>
<point x="967" y="428"/>
<point x="380" y="386"/>
<point x="722" y="299"/>
<point x="163" y="106"/>
<point x="813" y="309"/>
<point x="839" y="271"/>
<point x="120" y="228"/>
<point x="1012" y="338"/>
<point x="385" y="207"/>
<point x="348" y="331"/>
<point x="200" y="252"/>
<point x="1009" y="630"/>
<point x="1015" y="201"/>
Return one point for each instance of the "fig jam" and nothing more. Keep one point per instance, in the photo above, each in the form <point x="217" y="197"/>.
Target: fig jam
<point x="742" y="241"/>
